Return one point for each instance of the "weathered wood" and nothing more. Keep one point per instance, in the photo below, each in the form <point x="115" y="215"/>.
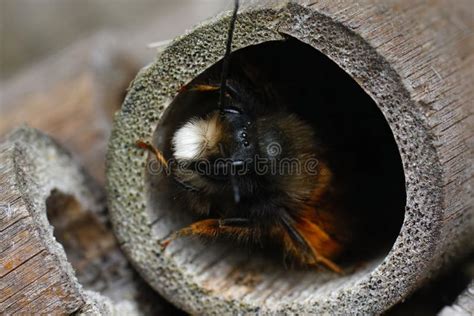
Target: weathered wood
<point x="40" y="184"/>
<point x="414" y="59"/>
<point x="35" y="275"/>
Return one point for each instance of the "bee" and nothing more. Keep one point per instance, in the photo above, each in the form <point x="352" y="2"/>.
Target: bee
<point x="256" y="171"/>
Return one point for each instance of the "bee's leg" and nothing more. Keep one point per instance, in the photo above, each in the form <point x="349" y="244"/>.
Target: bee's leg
<point x="326" y="262"/>
<point x="299" y="247"/>
<point x="200" y="87"/>
<point x="306" y="255"/>
<point x="238" y="228"/>
<point x="148" y="146"/>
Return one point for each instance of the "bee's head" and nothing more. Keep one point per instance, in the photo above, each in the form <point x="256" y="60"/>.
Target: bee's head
<point x="227" y="149"/>
<point x="220" y="145"/>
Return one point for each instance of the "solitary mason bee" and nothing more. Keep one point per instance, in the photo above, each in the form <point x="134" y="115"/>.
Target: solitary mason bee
<point x="258" y="169"/>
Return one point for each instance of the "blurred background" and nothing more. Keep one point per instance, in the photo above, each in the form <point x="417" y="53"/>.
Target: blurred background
<point x="34" y="29"/>
<point x="63" y="58"/>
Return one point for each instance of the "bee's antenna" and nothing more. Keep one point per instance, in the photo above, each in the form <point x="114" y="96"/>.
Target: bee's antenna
<point x="223" y="88"/>
<point x="226" y="61"/>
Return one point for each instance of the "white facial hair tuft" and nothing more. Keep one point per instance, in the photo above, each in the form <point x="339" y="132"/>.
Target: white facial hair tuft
<point x="193" y="138"/>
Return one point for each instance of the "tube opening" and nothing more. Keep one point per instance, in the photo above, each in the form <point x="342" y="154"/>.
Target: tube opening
<point x="359" y="148"/>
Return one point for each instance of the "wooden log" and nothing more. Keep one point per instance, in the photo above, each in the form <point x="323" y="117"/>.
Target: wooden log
<point x="413" y="59"/>
<point x="41" y="184"/>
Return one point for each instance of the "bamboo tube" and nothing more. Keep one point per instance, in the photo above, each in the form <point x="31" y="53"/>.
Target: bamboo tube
<point x="413" y="59"/>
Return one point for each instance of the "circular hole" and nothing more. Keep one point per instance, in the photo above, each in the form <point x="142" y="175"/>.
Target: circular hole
<point x="358" y="147"/>
<point x="94" y="254"/>
<point x="86" y="240"/>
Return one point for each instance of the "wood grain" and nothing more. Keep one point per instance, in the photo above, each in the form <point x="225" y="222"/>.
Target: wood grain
<point x="54" y="270"/>
<point x="32" y="277"/>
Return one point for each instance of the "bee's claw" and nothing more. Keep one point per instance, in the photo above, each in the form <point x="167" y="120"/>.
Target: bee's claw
<point x="165" y="243"/>
<point x="330" y="265"/>
<point x="142" y="144"/>
<point x="148" y="146"/>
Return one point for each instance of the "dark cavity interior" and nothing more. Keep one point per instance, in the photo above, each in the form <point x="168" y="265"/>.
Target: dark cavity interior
<point x="86" y="239"/>
<point x="94" y="253"/>
<point x="361" y="149"/>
